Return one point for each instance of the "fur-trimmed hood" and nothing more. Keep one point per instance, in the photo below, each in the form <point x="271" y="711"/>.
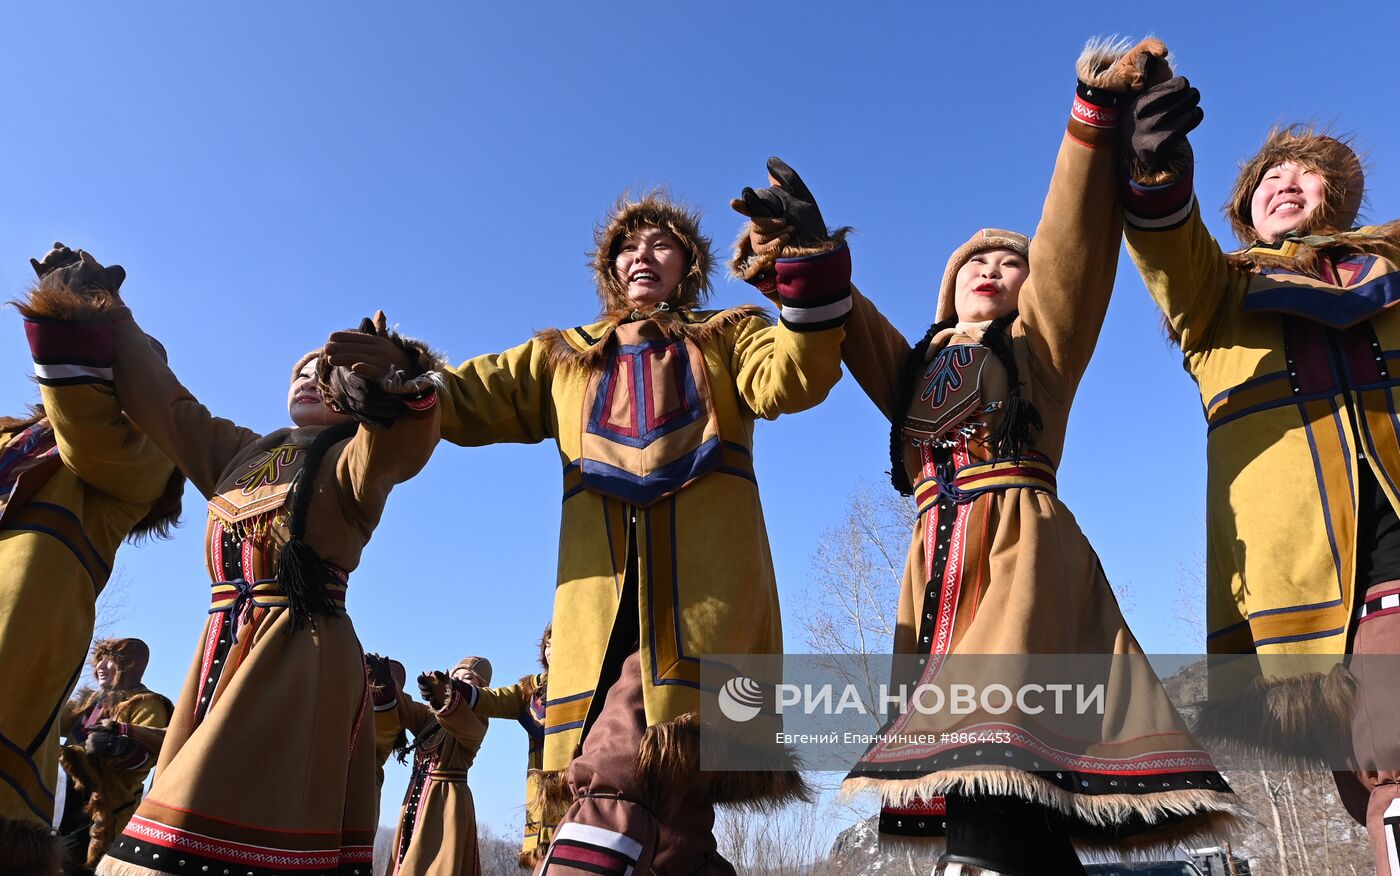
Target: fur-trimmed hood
<point x="585" y="347"/>
<point x="132" y="656"/>
<point x="654" y="210"/>
<point x="1318" y="150"/>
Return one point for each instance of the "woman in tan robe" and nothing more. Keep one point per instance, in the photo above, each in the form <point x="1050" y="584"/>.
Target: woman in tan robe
<point x="998" y="565"/>
<point x="437" y="826"/>
<point x="268" y="765"/>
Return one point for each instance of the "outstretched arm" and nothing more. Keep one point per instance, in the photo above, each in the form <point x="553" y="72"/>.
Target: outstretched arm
<point x="71" y="341"/>
<point x="1074" y="253"/>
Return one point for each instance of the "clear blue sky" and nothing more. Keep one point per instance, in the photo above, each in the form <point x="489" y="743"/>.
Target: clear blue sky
<point x="269" y="172"/>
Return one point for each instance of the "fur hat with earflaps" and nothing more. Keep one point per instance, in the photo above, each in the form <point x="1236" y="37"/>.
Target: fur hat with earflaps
<point x="654" y="210"/>
<point x="985" y="240"/>
<point x="1333" y="159"/>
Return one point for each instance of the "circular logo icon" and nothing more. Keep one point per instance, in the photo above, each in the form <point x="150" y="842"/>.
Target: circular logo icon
<point x="741" y="699"/>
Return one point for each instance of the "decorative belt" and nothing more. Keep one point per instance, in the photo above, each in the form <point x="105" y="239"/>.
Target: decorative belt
<point x="238" y="598"/>
<point x="447" y="775"/>
<point x="1033" y="471"/>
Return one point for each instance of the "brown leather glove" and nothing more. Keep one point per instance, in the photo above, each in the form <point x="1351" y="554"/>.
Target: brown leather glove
<point x="373" y="373"/>
<point x="381" y="680"/>
<point x="436" y="688"/>
<point x="107" y="743"/>
<point x="79" y="271"/>
<point x="788" y="199"/>
<point x="1155" y="126"/>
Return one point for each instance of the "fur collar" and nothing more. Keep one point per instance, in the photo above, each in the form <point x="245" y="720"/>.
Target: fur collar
<point x="1303" y="254"/>
<point x="586" y="347"/>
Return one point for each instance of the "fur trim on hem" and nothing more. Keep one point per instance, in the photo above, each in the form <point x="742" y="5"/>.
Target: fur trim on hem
<point x="528" y="860"/>
<point x="1115" y="64"/>
<point x="672" y="753"/>
<point x="57" y="301"/>
<point x="1173" y="815"/>
<point x="1296" y="721"/>
<point x="101" y="830"/>
<point x="552" y="797"/>
<point x="561" y="353"/>
<point x="748" y="264"/>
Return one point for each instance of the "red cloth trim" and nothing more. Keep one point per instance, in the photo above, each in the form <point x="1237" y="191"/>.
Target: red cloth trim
<point x="1093" y="115"/>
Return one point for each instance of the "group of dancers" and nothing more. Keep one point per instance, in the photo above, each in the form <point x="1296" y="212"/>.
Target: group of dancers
<point x="272" y="756"/>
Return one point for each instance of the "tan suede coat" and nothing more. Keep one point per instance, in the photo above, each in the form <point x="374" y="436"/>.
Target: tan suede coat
<point x="436" y="835"/>
<point x="270" y="758"/>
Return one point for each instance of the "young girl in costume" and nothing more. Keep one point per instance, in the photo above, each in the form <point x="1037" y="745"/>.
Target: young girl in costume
<point x="268" y="764"/>
<point x="1292" y="341"/>
<point x="997" y="564"/>
<point x="663" y="553"/>
<point x="436" y="835"/>
<point x="77" y="477"/>
<point x="523" y="702"/>
<point x="114" y="735"/>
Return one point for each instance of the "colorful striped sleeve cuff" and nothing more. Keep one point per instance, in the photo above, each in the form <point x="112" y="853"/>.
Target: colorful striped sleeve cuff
<point x="1093" y="117"/>
<point x="815" y="291"/>
<point x="1159" y="208"/>
<point x="70" y="352"/>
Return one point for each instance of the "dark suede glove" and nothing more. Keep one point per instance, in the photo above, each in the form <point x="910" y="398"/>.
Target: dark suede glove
<point x="381" y="680"/>
<point x="370" y="373"/>
<point x="58" y="257"/>
<point x="1157" y="122"/>
<point x="107" y="743"/>
<point x="787" y="198"/>
<point x="79" y="271"/>
<point x="436" y="688"/>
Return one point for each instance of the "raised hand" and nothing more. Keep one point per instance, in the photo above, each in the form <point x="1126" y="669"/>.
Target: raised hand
<point x="786" y="206"/>
<point x="79" y="271"/>
<point x="381" y="679"/>
<point x="1157" y="121"/>
<point x="436" y="688"/>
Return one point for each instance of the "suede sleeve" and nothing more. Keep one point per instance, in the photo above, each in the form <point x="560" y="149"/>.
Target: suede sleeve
<point x="386" y="731"/>
<point x="461" y="721"/>
<point x="199" y="443"/>
<point x="415" y="717"/>
<point x="1073" y="260"/>
<point x="499" y="398"/>
<point x="1186" y="273"/>
<point x="96" y="441"/>
<point x="874" y="352"/>
<point x="500" y="702"/>
<point x="376" y="459"/>
<point x="778" y="370"/>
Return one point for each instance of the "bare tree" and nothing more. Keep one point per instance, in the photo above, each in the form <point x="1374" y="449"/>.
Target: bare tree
<point x="849" y="609"/>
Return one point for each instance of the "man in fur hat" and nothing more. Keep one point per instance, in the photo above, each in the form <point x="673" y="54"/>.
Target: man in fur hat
<point x="1294" y="343"/>
<point x="76" y="478"/>
<point x="663" y="553"/>
<point x="114" y="735"/>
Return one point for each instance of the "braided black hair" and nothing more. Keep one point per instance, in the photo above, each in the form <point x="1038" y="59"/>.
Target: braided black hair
<point x="1012" y="435"/>
<point x="300" y="570"/>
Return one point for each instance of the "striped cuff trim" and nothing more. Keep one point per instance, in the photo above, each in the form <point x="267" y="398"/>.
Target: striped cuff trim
<point x="71" y="375"/>
<point x="1162" y="223"/>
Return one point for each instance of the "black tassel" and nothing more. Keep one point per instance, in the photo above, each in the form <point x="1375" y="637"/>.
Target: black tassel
<point x="1012" y="436"/>
<point x="301" y="572"/>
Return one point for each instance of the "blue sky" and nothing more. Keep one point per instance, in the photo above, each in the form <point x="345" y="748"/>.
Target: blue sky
<point x="268" y="173"/>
